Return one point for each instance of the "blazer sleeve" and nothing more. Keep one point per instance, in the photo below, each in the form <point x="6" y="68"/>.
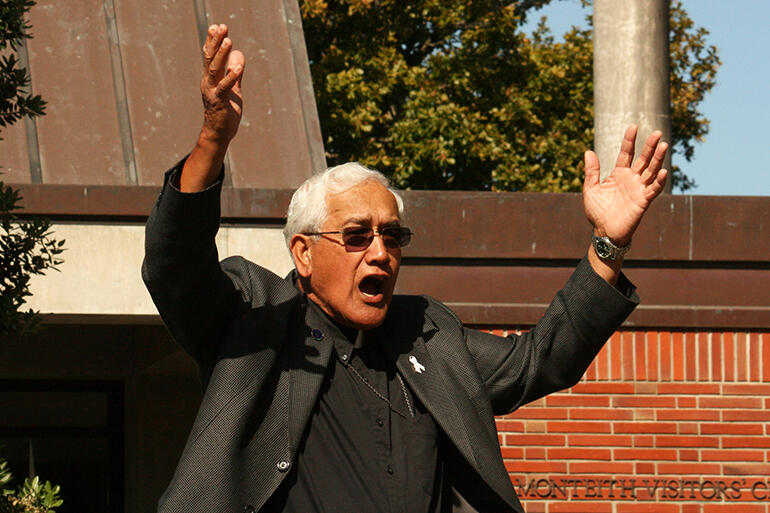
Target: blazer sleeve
<point x="555" y="353"/>
<point x="181" y="269"/>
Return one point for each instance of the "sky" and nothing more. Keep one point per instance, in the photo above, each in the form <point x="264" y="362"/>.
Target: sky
<point x="733" y="160"/>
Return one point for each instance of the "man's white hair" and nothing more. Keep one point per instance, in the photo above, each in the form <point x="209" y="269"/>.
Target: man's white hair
<point x="307" y="210"/>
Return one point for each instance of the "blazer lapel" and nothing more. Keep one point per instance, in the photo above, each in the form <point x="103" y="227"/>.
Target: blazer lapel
<point x="307" y="370"/>
<point x="428" y="383"/>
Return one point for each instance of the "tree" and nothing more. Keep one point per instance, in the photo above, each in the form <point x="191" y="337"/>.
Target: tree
<point x="26" y="248"/>
<point x="453" y="95"/>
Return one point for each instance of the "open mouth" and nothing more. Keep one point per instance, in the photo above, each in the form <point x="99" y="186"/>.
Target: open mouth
<point x="372" y="287"/>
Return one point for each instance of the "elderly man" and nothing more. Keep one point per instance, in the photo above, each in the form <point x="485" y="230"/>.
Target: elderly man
<point x="324" y="392"/>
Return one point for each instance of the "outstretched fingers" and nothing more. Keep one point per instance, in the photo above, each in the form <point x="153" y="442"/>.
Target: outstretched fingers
<point x="650" y="145"/>
<point x="626" y="155"/>
<point x="651" y="170"/>
<point x="234" y="75"/>
<point x="657" y="185"/>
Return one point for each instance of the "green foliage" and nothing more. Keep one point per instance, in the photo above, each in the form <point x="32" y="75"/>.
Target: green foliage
<point x="15" y="101"/>
<point x="453" y="95"/>
<point x="26" y="248"/>
<point x="33" y="496"/>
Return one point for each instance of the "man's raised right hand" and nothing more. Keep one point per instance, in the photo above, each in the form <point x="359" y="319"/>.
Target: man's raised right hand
<point x="222" y="107"/>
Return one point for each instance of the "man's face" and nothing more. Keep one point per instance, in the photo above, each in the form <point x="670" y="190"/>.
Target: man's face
<point x="355" y="287"/>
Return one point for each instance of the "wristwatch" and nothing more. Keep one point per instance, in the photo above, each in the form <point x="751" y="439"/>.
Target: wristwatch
<point x="606" y="249"/>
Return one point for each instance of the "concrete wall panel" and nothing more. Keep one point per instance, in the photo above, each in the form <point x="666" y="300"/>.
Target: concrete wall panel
<point x="14" y="162"/>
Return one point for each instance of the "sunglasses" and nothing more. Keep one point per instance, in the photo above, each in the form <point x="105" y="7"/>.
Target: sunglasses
<point x="359" y="238"/>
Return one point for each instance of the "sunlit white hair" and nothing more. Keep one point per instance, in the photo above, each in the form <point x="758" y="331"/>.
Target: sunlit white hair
<point x="307" y="210"/>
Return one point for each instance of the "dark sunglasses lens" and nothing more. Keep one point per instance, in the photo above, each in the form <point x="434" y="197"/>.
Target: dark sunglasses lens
<point x="358" y="239"/>
<point x="396" y="237"/>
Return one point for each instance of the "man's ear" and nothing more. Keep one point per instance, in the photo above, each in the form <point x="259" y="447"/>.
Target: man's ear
<point x="300" y="245"/>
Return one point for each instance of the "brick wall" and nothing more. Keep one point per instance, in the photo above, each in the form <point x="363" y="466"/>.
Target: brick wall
<point x="662" y="422"/>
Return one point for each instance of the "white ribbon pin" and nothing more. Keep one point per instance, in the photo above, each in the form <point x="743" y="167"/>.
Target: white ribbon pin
<point x="418" y="367"/>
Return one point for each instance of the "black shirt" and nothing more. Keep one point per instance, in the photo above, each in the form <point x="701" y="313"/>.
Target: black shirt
<point x="359" y="453"/>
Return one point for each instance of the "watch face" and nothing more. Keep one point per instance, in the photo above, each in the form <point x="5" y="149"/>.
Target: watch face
<point x="603" y="249"/>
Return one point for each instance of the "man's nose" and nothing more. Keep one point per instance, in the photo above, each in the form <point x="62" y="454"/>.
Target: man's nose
<point x="377" y="250"/>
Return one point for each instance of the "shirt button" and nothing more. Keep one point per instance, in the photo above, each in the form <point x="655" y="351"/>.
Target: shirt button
<point x="249" y="509"/>
<point x="390" y="470"/>
<point x="344" y="357"/>
<point x="283" y="465"/>
<point x="380" y="422"/>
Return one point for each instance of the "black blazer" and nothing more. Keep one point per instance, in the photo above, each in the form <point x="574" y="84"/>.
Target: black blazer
<point x="249" y="331"/>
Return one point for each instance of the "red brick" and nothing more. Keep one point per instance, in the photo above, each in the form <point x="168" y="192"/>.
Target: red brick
<point x="690" y="356"/>
<point x="640" y="356"/>
<point x="529" y="440"/>
<point x="645" y="468"/>
<point x="616" y="357"/>
<point x="765" y="356"/>
<point x="716" y="357"/>
<point x="728" y="356"/>
<point x="534" y="507"/>
<point x="730" y="402"/>
<point x="512" y="452"/>
<point x="580" y="507"/>
<point x="745" y="441"/>
<point x="556" y="426"/>
<point x="636" y="401"/>
<point x="731" y="455"/>
<point x="688" y="415"/>
<point x="689" y="468"/>
<point x="590" y="373"/>
<point x="645" y="454"/>
<point x="652" y="340"/>
<point x="600" y="413"/>
<point x="603" y="388"/>
<point x="536" y="467"/>
<point x="690" y="508"/>
<point x="642" y="414"/>
<point x="685" y="402"/>
<point x="746" y="469"/>
<point x="599" y="441"/>
<point x="644" y="427"/>
<point x="724" y="428"/>
<point x="734" y="508"/>
<point x="643" y="441"/>
<point x="642" y="388"/>
<point x="702" y="342"/>
<point x="534" y="426"/>
<point x="570" y="453"/>
<point x="688" y="455"/>
<point x="686" y="441"/>
<point x="688" y="388"/>
<point x="606" y="467"/>
<point x="678" y="347"/>
<point x="534" y="453"/>
<point x="577" y="400"/>
<point x="509" y="425"/>
<point x="602" y="363"/>
<point x="665" y="356"/>
<point x="653" y="507"/>
<point x="745" y="389"/>
<point x="754" y="356"/>
<point x="741" y="348"/>
<point x="688" y="428"/>
<point x="627" y="351"/>
<point x="541" y="413"/>
<point x="760" y="415"/>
